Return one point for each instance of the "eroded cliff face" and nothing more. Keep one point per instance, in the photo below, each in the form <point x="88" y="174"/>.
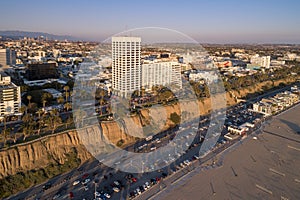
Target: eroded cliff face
<point x="53" y="149"/>
<point x="40" y="153"/>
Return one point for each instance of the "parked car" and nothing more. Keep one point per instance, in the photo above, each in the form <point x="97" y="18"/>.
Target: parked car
<point x="107" y="195"/>
<point x="116" y="189"/>
<point x="138" y="191"/>
<point x="86" y="181"/>
<point x="76" y="182"/>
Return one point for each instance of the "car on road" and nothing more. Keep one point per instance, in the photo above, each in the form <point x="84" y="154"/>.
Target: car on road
<point x="138" y="191"/>
<point x="86" y="181"/>
<point x="152" y="148"/>
<point x="85" y="176"/>
<point x="164" y="175"/>
<point x="47" y="186"/>
<point x="153" y="181"/>
<point x="142" y="188"/>
<point x="107" y="195"/>
<point x="187" y="162"/>
<point x="147" y="185"/>
<point x="131" y="195"/>
<point x="71" y="195"/>
<point x="116" y="183"/>
<point x="76" y="182"/>
<point x="149" y="138"/>
<point x="97" y="194"/>
<point x="116" y="189"/>
<point x="133" y="180"/>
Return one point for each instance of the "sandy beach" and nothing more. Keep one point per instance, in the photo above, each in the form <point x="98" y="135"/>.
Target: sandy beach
<point x="266" y="168"/>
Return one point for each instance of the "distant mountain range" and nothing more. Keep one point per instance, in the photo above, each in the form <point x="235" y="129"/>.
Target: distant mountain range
<point x="21" y="34"/>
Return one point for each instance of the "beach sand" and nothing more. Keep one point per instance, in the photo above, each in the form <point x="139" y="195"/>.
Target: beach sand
<point x="266" y="168"/>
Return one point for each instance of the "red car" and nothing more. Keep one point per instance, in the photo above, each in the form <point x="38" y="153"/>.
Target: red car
<point x="85" y="176"/>
<point x="71" y="195"/>
<point x="134" y="180"/>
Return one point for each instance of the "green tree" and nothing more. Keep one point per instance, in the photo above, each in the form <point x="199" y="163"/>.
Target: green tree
<point x="175" y="118"/>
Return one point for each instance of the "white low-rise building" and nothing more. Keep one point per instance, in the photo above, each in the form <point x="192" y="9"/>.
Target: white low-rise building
<point x="161" y="73"/>
<point x="263" y="61"/>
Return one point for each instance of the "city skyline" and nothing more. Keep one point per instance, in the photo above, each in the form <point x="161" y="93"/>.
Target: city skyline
<point x="205" y="21"/>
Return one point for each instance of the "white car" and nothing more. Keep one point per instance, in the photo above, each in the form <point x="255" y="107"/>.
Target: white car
<point x="187" y="162"/>
<point x="97" y="194"/>
<point x="107" y="195"/>
<point x="152" y="148"/>
<point x="116" y="183"/>
<point x="116" y="189"/>
<point x="147" y="185"/>
<point x="76" y="182"/>
<point x="86" y="181"/>
<point x="138" y="191"/>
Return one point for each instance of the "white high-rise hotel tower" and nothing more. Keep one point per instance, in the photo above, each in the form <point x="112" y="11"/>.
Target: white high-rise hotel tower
<point x="126" y="65"/>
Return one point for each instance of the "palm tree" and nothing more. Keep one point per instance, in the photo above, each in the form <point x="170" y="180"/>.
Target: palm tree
<point x="60" y="100"/>
<point x="40" y="112"/>
<point x="29" y="99"/>
<point x="69" y="121"/>
<point x="4" y="122"/>
<point x="44" y="104"/>
<point x="67" y="88"/>
<point x="27" y="131"/>
<point x="46" y="96"/>
<point x="23" y="109"/>
<point x="67" y="106"/>
<point x="6" y="133"/>
<point x="15" y="137"/>
<point x="54" y="119"/>
<point x="27" y="125"/>
<point x="41" y="123"/>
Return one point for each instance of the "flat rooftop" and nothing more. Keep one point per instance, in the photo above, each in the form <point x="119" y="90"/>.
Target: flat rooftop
<point x="266" y="168"/>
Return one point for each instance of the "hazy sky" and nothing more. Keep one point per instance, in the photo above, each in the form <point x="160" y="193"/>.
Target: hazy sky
<point x="214" y="21"/>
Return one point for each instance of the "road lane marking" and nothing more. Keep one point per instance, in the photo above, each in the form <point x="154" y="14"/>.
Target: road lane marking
<point x="295" y="148"/>
<point x="264" y="189"/>
<point x="276" y="172"/>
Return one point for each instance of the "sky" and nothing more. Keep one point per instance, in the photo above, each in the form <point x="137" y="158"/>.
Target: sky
<point x="206" y="21"/>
